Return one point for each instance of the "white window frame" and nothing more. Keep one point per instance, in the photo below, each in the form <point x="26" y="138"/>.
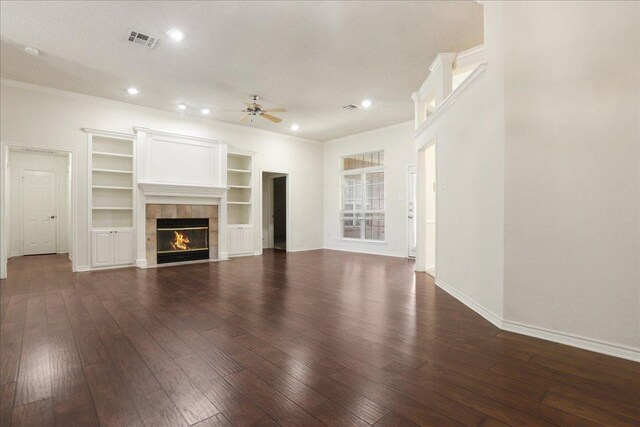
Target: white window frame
<point x="362" y="213"/>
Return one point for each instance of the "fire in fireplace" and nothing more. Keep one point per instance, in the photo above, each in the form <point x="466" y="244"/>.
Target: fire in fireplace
<point x="182" y="239"/>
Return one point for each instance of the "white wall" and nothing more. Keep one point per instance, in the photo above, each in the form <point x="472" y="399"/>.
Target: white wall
<point x="430" y="207"/>
<point x="398" y="149"/>
<point x="52" y="119"/>
<point x="19" y="161"/>
<point x="572" y="78"/>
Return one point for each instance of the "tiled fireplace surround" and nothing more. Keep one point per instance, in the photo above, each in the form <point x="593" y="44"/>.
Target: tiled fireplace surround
<point x="155" y="211"/>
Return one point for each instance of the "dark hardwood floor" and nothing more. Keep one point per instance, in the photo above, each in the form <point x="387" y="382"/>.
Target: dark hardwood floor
<point x="310" y="338"/>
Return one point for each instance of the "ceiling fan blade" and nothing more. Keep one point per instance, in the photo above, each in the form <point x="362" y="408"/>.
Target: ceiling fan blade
<point x="274" y="119"/>
<point x="245" y="118"/>
<point x="275" y="110"/>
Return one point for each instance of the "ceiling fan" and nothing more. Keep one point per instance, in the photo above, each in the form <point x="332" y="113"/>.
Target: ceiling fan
<point x="255" y="109"/>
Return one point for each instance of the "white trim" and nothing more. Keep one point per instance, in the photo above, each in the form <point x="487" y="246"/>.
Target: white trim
<point x="306" y="249"/>
<point x="573" y="340"/>
<point x="468" y="83"/>
<point x="365" y="241"/>
<point x="138" y="129"/>
<point x="82" y="268"/>
<point x="482" y="311"/>
<point x="365" y="252"/>
<point x="181" y="190"/>
<point x="109" y="134"/>
<point x="585" y="343"/>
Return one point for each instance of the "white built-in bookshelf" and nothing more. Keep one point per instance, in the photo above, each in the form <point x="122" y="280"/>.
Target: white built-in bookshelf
<point x="111" y="181"/>
<point x="239" y="181"/>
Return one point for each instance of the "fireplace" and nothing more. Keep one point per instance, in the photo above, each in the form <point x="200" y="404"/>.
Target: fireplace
<point x="182" y="239"/>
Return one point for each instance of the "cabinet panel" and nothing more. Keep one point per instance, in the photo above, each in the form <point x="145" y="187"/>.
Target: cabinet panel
<point x="240" y="239"/>
<point x="246" y="237"/>
<point x="123" y="247"/>
<point x="102" y="248"/>
<point x="232" y="238"/>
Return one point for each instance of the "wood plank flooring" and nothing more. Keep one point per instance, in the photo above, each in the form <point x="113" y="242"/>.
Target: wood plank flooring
<point x="302" y="339"/>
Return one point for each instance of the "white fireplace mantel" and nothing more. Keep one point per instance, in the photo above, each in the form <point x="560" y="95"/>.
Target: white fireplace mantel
<point x="181" y="190"/>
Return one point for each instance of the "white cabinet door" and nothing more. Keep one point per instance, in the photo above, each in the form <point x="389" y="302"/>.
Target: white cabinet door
<point x="102" y="248"/>
<point x="123" y="247"/>
<point x="245" y="237"/>
<point x="233" y="241"/>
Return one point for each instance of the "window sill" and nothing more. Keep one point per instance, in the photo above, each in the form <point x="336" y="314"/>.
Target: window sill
<point x="368" y="242"/>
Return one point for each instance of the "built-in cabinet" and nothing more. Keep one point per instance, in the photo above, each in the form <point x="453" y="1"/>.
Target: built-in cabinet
<point x="112" y="247"/>
<point x="239" y="203"/>
<point x="111" y="198"/>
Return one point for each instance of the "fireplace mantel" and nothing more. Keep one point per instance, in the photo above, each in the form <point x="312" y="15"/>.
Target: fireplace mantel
<point x="181" y="190"/>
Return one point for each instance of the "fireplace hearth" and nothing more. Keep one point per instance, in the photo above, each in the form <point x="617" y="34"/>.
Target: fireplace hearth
<point x="182" y="239"/>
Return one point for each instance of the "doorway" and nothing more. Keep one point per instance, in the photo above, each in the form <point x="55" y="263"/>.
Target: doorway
<point x="274" y="211"/>
<point x="36" y="196"/>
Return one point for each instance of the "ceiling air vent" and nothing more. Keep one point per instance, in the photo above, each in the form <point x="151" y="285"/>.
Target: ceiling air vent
<point x="143" y="39"/>
<point x="351" y="107"/>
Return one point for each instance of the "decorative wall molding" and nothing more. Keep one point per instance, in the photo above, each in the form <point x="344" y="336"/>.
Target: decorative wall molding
<point x="585" y="343"/>
<point x="420" y="134"/>
<point x="181" y="190"/>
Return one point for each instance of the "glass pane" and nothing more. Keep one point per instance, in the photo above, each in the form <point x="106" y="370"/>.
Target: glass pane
<point x="374" y="226"/>
<point x="352" y="192"/>
<point x="351" y="226"/>
<point x="363" y="160"/>
<point x="375" y="191"/>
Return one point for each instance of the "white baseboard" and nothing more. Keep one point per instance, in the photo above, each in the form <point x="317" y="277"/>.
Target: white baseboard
<point x="482" y="311"/>
<point x="315" y="248"/>
<point x="141" y="263"/>
<point x="366" y="252"/>
<point x="585" y="343"/>
<point x="81" y="268"/>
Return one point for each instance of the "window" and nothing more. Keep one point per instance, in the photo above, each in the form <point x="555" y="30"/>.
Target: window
<point x="362" y="212"/>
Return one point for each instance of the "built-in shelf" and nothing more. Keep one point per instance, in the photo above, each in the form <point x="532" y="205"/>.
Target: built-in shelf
<point x="104" y="153"/>
<point x="238" y="170"/>
<point x="112" y="171"/>
<point x="111" y="208"/>
<point x="239" y="186"/>
<point x="110" y="187"/>
<point x="238" y="203"/>
<point x="239" y="196"/>
<point x="111" y="190"/>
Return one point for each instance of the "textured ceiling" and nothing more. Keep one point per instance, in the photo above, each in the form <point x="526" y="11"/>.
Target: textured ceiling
<point x="309" y="57"/>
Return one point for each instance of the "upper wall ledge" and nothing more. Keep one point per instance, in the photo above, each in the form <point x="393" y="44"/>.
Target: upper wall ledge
<point x="471" y="80"/>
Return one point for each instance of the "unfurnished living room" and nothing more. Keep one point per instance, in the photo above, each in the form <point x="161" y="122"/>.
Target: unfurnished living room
<point x="307" y="213"/>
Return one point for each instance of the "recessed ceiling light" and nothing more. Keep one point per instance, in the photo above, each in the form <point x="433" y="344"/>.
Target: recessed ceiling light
<point x="31" y="50"/>
<point x="182" y="107"/>
<point x="366" y="103"/>
<point x="175" y="34"/>
<point x="295" y="127"/>
<point x="132" y="91"/>
<point x="205" y="111"/>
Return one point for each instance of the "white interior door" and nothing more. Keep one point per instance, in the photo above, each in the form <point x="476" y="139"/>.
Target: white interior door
<point x="39" y="220"/>
<point x="411" y="210"/>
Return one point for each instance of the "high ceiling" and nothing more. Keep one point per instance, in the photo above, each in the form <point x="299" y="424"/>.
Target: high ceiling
<point x="309" y="57"/>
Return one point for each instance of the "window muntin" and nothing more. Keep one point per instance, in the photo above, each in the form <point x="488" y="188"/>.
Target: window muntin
<point x="363" y="200"/>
